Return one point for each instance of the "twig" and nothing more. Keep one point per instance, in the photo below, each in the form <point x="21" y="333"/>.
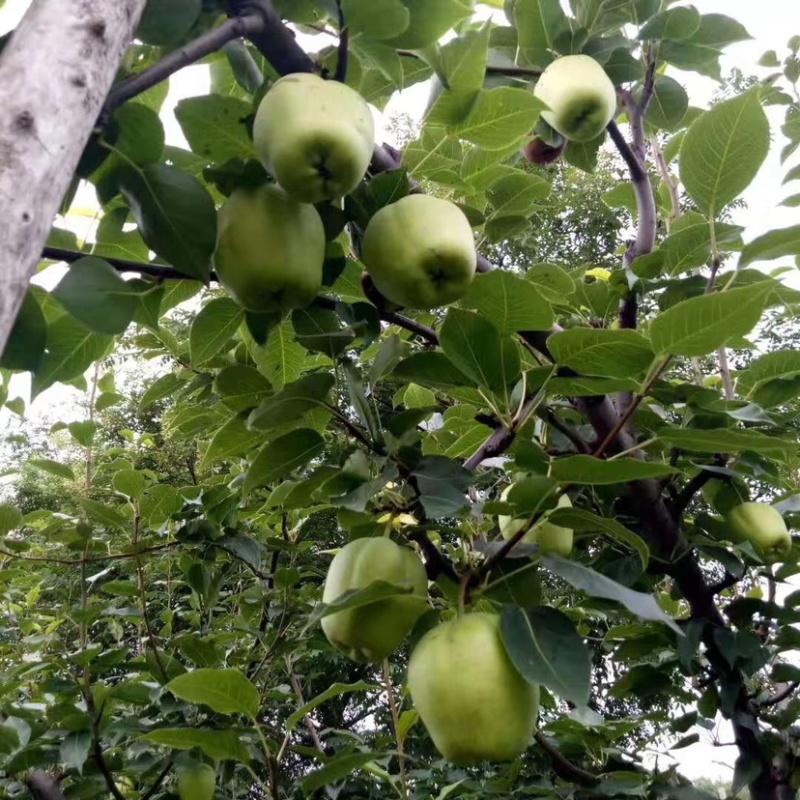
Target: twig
<point x="170" y="273"/>
<point x="436" y="564"/>
<point x="74" y="562"/>
<point x="97" y="747"/>
<point x="672" y="187"/>
<point x="581" y="445"/>
<point x="777" y="698"/>
<point x="159" y="780"/>
<point x="401" y="759"/>
<point x="119" y="264"/>
<point x="298" y="690"/>
<point x="629" y="411"/>
<point x="686" y="494"/>
<point x="341" y="52"/>
<point x="248" y="25"/>
<point x="562" y="766"/>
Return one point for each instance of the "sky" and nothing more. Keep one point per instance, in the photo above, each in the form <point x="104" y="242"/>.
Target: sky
<point x="770" y="22"/>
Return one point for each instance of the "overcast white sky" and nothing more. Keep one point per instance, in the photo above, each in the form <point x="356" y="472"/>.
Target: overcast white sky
<point x="770" y="22"/>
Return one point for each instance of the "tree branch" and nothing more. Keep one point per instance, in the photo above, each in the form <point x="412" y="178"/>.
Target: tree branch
<point x="562" y="766"/>
<point x="234" y="28"/>
<point x="580" y="444"/>
<point x="779" y="696"/>
<point x="341" y="53"/>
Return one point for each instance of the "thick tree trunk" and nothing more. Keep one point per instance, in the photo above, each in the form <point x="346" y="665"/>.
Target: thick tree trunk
<point x="54" y="76"/>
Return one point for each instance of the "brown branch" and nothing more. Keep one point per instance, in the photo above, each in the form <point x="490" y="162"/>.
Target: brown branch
<point x="341" y="52"/>
<point x="436" y="564"/>
<point x="779" y="696"/>
<point x="247" y="25"/>
<point x="580" y="444"/>
<point x="562" y="766"/>
<point x="159" y="780"/>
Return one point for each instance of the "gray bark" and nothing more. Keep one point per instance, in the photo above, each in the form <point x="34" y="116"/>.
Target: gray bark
<point x="55" y="73"/>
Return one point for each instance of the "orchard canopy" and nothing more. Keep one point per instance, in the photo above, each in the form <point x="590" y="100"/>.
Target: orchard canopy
<point x="523" y="373"/>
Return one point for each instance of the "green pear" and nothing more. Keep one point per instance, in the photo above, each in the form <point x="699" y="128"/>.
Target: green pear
<point x="762" y="526"/>
<point x="580" y="97"/>
<point x="374" y="631"/>
<point x="314" y="136"/>
<point x="469" y="695"/>
<point x="420" y="252"/>
<point x="197" y="783"/>
<point x="270" y="250"/>
<point x="551" y="538"/>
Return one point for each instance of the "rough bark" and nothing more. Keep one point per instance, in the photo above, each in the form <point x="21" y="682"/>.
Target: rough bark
<point x="55" y="73"/>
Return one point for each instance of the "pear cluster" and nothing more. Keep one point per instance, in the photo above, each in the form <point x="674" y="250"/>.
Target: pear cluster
<point x="472" y="700"/>
<point x="315" y="137"/>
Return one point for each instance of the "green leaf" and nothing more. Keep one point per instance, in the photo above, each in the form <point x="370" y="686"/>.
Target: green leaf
<point x="226" y="691"/>
<point x="517" y="194"/>
<point x="478" y="350"/>
<point x="703" y="324"/>
<point x="335" y="690"/>
<point x="213" y="328"/>
<point x="74" y="749"/>
<point x="579" y="519"/>
<point x="728" y="440"/>
<point x="71" y="349"/>
<point x="462" y="63"/>
<point x="241" y="387"/>
<point x="723" y="150"/>
<point x="675" y="23"/>
<point x="377" y="19"/>
<point x="282" y="456"/>
<point x="130" y="482"/>
<point x="234" y="439"/>
<point x="499" y="117"/>
<point x="83" y="432"/>
<point x="668" y="105"/>
<point x="771" y="245"/>
<point x="281" y="359"/>
<point x="509" y="302"/>
<point x="320" y="330"/>
<point x="219" y="745"/>
<point x="53" y="467"/>
<point x="591" y="470"/>
<point x="594" y="584"/>
<point x="175" y="215"/>
<point x="215" y="127"/>
<point x="165" y="386"/>
<point x="336" y="769"/>
<point x="167" y="23"/>
<point x="442" y="486"/>
<point x="24" y="349"/>
<point x="432" y="369"/>
<point x="158" y="504"/>
<point x="105" y="515"/>
<point x="547" y="650"/>
<point x="605" y="353"/>
<point x="538" y="23"/>
<point x="429" y="21"/>
<point x="10" y="518"/>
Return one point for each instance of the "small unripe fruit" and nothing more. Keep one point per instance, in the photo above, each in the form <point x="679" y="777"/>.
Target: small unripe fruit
<point x="197" y="783"/>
